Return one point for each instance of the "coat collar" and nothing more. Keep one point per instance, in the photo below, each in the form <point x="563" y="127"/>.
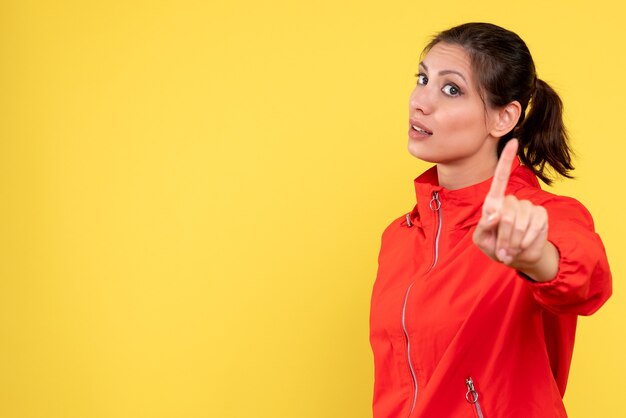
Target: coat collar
<point x="462" y="207"/>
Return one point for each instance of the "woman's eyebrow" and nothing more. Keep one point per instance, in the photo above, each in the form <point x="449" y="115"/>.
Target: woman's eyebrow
<point x="445" y="72"/>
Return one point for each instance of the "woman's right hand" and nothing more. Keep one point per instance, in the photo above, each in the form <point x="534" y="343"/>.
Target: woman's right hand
<point x="514" y="231"/>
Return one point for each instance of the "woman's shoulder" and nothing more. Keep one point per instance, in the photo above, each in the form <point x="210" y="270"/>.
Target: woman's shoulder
<point x="559" y="207"/>
<point x="403" y="221"/>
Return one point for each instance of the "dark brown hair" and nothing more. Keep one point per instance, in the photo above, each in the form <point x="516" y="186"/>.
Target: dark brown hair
<point x="505" y="72"/>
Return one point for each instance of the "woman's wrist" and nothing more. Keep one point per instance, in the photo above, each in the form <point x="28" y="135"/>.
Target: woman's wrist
<point x="547" y="267"/>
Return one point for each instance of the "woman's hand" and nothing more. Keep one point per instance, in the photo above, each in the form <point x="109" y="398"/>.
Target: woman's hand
<point x="513" y="231"/>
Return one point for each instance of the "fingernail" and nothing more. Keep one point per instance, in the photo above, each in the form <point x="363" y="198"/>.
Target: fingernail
<point x="502" y="254"/>
<point x="491" y="217"/>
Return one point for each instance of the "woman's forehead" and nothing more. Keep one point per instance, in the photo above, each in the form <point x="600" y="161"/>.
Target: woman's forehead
<point x="443" y="56"/>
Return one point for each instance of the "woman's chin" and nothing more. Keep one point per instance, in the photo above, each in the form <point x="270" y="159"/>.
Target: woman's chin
<point x="417" y="150"/>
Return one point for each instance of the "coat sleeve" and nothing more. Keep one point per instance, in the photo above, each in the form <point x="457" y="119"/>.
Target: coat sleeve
<point x="583" y="281"/>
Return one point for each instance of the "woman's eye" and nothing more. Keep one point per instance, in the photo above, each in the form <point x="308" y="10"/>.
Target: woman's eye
<point x="422" y="79"/>
<point x="451" y="90"/>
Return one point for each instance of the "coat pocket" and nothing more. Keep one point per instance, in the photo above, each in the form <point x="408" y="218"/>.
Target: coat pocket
<point x="471" y="396"/>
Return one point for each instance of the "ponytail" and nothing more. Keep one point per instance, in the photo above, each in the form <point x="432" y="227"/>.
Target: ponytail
<point x="542" y="135"/>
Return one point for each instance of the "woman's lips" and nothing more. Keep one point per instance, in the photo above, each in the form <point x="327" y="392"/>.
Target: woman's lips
<point x="417" y="130"/>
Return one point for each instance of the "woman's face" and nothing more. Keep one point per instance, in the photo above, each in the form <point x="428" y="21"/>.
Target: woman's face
<point x="448" y="122"/>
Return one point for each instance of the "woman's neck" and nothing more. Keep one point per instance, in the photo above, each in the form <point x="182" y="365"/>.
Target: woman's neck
<point x="464" y="174"/>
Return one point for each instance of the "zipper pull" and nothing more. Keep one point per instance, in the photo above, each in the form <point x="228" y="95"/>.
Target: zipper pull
<point x="471" y="396"/>
<point x="435" y="203"/>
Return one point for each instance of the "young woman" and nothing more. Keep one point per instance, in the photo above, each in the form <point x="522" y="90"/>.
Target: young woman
<point x="474" y="307"/>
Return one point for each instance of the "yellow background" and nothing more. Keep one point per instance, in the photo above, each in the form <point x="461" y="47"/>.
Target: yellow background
<point x="192" y="196"/>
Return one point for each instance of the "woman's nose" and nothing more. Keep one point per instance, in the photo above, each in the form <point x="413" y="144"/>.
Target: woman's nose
<point x="420" y="99"/>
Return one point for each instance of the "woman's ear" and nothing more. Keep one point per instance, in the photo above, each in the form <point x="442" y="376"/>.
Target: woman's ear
<point x="506" y="119"/>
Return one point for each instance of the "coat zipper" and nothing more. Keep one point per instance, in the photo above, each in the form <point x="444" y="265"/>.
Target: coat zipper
<point x="408" y="348"/>
<point x="435" y="206"/>
<point x="472" y="396"/>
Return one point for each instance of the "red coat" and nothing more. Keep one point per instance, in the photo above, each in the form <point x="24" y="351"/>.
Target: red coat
<point x="456" y="334"/>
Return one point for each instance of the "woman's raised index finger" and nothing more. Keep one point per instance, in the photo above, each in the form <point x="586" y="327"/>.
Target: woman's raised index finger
<point x="503" y="170"/>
